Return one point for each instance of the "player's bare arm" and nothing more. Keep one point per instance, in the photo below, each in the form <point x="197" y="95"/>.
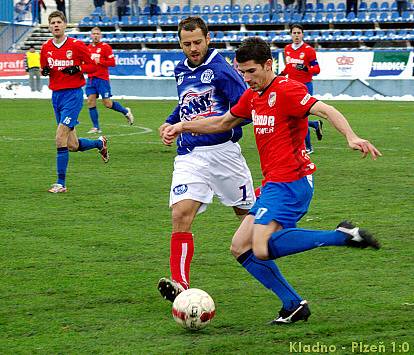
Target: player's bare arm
<point x="341" y="124"/>
<point x="207" y="125"/>
<point x="162" y="127"/>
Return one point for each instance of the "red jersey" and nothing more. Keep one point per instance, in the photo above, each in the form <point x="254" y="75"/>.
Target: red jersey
<point x="305" y="55"/>
<point x="103" y="51"/>
<point x="68" y="53"/>
<point x="280" y="124"/>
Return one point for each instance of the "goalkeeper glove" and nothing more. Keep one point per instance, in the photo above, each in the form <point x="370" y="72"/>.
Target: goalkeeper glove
<point x="301" y="67"/>
<point x="45" y="71"/>
<point x="72" y="70"/>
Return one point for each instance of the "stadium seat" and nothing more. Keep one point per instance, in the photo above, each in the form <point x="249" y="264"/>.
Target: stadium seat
<point x="330" y="7"/>
<point x="173" y="20"/>
<point x="186" y="10"/>
<point x="340" y="17"/>
<point x="216" y="9"/>
<point x="362" y="17"/>
<point x="255" y="19"/>
<point x="373" y="6"/>
<point x="373" y="17"/>
<point x="205" y="18"/>
<point x="395" y="17"/>
<point x="350" y="17"/>
<point x="403" y="35"/>
<point x="146" y="10"/>
<point x="341" y="7"/>
<point x="257" y="9"/>
<point x="363" y="6"/>
<point x="247" y="9"/>
<point x="124" y="21"/>
<point x="385" y="6"/>
<point x="226" y="9"/>
<point x="406" y="17"/>
<point x="213" y="19"/>
<point x="235" y="19"/>
<point x="245" y="18"/>
<point x="319" y="17"/>
<point x="163" y="20"/>
<point x="224" y="19"/>
<point x="319" y="7"/>
<point x="219" y="36"/>
<point x="236" y="9"/>
<point x="329" y="17"/>
<point x="85" y="21"/>
<point x="275" y="18"/>
<point x="196" y="10"/>
<point x="206" y="9"/>
<point x="176" y="10"/>
<point x="383" y="17"/>
<point x="394" y="6"/>
<point x="265" y="18"/>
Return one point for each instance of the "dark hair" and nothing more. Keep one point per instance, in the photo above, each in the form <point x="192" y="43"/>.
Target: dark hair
<point x="253" y="48"/>
<point x="295" y="25"/>
<point x="191" y="23"/>
<point x="57" y="14"/>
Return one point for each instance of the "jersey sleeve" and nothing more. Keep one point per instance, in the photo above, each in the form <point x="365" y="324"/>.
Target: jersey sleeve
<point x="109" y="59"/>
<point x="43" y="60"/>
<point x="231" y="84"/>
<point x="298" y="98"/>
<point x="314" y="68"/>
<point x="243" y="108"/>
<point x="175" y="116"/>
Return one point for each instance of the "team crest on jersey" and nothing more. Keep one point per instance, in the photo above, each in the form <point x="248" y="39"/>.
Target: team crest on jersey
<point x="180" y="79"/>
<point x="272" y="99"/>
<point x="302" y="55"/>
<point x="98" y="50"/>
<point x="180" y="189"/>
<point x="69" y="54"/>
<point x="196" y="103"/>
<point x="207" y="76"/>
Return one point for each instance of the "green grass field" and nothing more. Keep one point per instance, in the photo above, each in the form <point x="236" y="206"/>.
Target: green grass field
<point x="79" y="270"/>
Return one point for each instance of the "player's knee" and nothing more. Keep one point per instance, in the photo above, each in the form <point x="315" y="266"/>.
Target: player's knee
<point x="181" y="220"/>
<point x="73" y="147"/>
<point x="107" y="103"/>
<point x="261" y="252"/>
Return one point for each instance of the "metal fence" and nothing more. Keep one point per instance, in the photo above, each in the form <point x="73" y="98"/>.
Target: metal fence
<point x="10" y="35"/>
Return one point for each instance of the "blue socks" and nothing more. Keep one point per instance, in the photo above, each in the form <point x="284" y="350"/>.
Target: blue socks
<point x="87" y="144"/>
<point x="116" y="106"/>
<point x="313" y="124"/>
<point x="62" y="159"/>
<point x="93" y="113"/>
<point x="294" y="240"/>
<point x="268" y="274"/>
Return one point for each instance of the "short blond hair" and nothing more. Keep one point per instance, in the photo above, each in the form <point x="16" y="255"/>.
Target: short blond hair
<point x="58" y="14"/>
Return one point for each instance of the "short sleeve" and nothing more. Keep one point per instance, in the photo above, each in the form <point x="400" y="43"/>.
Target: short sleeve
<point x="297" y="98"/>
<point x="243" y="108"/>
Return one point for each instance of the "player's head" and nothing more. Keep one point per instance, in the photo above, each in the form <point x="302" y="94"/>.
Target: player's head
<point x="96" y="35"/>
<point x="31" y="49"/>
<point x="254" y="59"/>
<point x="194" y="39"/>
<point x="296" y="31"/>
<point x="57" y="23"/>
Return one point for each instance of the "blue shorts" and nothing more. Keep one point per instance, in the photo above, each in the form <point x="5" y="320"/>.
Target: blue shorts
<point x="283" y="202"/>
<point x="310" y="87"/>
<point x="67" y="104"/>
<point x="98" y="87"/>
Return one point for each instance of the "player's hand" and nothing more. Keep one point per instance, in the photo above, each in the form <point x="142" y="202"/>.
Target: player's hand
<point x="45" y="71"/>
<point x="364" y="146"/>
<point x="171" y="132"/>
<point x="302" y="67"/>
<point x="162" y="128"/>
<point x="72" y="70"/>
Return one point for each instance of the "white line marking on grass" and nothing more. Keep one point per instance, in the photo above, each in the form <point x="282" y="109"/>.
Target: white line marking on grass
<point x="144" y="130"/>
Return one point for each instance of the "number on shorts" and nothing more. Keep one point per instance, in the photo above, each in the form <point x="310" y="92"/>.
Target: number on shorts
<point x="260" y="212"/>
<point x="67" y="120"/>
<point x="244" y="191"/>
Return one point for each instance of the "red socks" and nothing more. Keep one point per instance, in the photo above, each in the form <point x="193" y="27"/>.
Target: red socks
<point x="181" y="254"/>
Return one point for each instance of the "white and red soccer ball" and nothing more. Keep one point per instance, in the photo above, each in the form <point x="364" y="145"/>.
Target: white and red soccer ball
<point x="193" y="309"/>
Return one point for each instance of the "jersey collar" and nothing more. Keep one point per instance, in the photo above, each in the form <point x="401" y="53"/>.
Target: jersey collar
<point x="60" y="45"/>
<point x="297" y="46"/>
<point x="211" y="53"/>
<point x="270" y="84"/>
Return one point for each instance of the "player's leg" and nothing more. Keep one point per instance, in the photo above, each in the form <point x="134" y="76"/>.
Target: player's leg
<point x="104" y="90"/>
<point x="92" y="93"/>
<point x="308" y="143"/>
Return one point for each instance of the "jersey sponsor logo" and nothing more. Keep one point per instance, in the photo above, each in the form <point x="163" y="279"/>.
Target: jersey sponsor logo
<point x="305" y="99"/>
<point x="59" y="62"/>
<point x="196" y="103"/>
<point x="180" y="189"/>
<point x="69" y="54"/>
<point x="272" y="99"/>
<point x="263" y="124"/>
<point x="207" y="76"/>
<point x="290" y="60"/>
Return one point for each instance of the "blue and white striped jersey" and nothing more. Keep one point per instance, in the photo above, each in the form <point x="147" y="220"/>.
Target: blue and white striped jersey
<point x="209" y="89"/>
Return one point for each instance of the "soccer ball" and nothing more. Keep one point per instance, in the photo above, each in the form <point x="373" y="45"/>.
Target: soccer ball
<point x="193" y="309"/>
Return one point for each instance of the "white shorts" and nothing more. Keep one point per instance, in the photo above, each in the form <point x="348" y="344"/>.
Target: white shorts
<point x="219" y="170"/>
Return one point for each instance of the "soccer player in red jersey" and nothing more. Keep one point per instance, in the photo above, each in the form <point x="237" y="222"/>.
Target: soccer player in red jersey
<point x="98" y="81"/>
<point x="279" y="108"/>
<point x="65" y="60"/>
<point x="302" y="65"/>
